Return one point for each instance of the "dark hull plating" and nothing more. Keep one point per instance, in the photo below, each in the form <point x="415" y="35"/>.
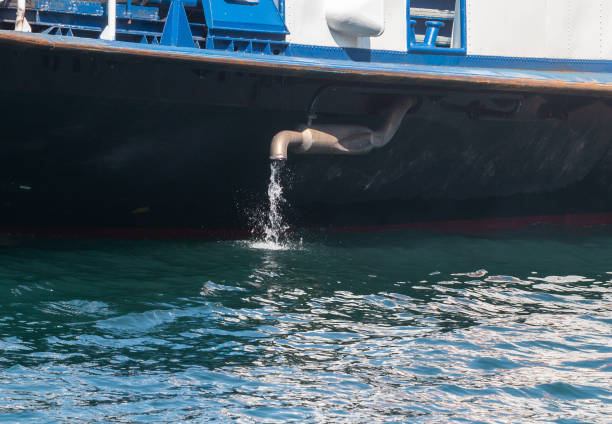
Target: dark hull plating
<point x="106" y="140"/>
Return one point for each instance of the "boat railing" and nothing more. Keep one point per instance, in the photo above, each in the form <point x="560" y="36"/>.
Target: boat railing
<point x="236" y="25"/>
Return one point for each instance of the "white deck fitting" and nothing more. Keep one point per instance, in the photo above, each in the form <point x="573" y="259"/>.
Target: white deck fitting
<point x="307" y="23"/>
<point x="357" y="18"/>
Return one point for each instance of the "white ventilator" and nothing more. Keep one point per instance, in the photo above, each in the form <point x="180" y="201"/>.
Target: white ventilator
<point x="111" y="26"/>
<point x="21" y="23"/>
<point x="356" y="18"/>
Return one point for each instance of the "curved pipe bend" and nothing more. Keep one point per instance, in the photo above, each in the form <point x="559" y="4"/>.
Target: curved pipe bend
<point x="339" y="139"/>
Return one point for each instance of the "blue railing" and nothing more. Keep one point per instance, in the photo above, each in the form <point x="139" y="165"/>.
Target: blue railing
<point x="436" y="26"/>
<point x="234" y="25"/>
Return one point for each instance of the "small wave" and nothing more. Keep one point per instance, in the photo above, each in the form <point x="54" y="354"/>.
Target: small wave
<point x="475" y="274"/>
<point x="138" y="321"/>
<point x="12" y="344"/>
<point x="567" y="279"/>
<point x="504" y="279"/>
<point x="210" y="287"/>
<point x="146" y="321"/>
<point x="76" y="307"/>
<point x="22" y="289"/>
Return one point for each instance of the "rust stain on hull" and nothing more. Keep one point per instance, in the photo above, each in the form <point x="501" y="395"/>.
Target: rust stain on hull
<point x="408" y="77"/>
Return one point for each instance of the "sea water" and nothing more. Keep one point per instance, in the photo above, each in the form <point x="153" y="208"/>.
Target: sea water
<point x="357" y="328"/>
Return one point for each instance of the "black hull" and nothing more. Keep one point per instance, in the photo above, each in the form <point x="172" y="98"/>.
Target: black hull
<point x="99" y="140"/>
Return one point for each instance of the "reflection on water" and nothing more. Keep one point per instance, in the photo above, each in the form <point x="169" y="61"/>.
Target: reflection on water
<point x="388" y="327"/>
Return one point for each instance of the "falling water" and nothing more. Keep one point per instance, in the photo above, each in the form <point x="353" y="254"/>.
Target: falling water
<point x="273" y="227"/>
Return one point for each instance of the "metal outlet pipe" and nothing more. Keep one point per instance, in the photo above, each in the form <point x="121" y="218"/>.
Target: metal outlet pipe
<point x="340" y="139"/>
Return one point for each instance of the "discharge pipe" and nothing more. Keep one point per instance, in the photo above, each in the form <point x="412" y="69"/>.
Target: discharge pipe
<point x="336" y="139"/>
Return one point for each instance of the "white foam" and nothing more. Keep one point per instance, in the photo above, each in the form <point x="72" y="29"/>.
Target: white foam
<point x="474" y="274"/>
<point x="562" y="279"/>
<point x="268" y="245"/>
<point x="265" y="245"/>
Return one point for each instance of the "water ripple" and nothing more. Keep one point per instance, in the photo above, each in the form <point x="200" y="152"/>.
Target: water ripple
<point x="342" y="331"/>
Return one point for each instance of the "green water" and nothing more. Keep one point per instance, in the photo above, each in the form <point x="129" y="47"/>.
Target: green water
<point x="379" y="327"/>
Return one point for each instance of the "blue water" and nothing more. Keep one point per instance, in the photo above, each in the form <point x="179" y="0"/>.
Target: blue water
<point x="380" y="327"/>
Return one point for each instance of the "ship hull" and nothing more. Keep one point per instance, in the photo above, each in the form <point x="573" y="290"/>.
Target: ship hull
<point x="99" y="139"/>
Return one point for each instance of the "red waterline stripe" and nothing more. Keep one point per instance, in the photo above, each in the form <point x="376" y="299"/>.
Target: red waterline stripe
<point x="126" y="233"/>
<point x="476" y="225"/>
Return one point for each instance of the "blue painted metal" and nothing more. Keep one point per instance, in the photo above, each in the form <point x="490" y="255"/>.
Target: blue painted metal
<point x="433" y="27"/>
<point x="463" y="25"/>
<point x="463" y="21"/>
<point x="137" y="12"/>
<point x="186" y="3"/>
<point x="177" y="31"/>
<point x="266" y="36"/>
<point x="412" y="35"/>
<point x="90" y="8"/>
<point x="432" y="31"/>
<point x="43" y="21"/>
<point x="260" y="18"/>
<point x="247" y="45"/>
<point x="444" y="57"/>
<point x="281" y="9"/>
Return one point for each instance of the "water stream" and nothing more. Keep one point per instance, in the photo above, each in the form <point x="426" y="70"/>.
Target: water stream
<point x="273" y="228"/>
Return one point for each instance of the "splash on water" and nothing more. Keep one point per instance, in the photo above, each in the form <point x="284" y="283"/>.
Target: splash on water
<point x="275" y="228"/>
<point x="272" y="227"/>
